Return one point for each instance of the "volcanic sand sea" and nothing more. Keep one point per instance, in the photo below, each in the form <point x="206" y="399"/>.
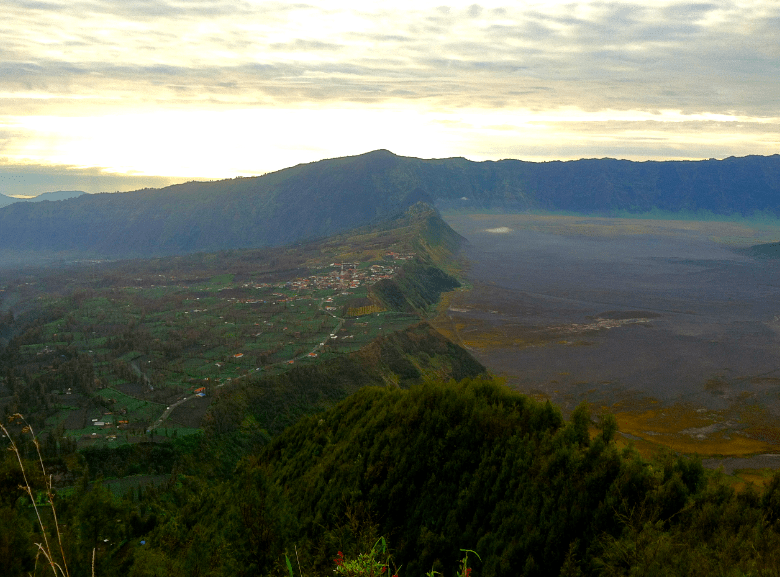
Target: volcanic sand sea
<point x="663" y="322"/>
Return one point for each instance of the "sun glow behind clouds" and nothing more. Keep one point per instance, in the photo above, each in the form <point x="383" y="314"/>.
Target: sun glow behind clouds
<point x="218" y="144"/>
<point x="222" y="88"/>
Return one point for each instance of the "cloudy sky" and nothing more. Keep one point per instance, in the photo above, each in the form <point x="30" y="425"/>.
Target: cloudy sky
<point x="103" y="95"/>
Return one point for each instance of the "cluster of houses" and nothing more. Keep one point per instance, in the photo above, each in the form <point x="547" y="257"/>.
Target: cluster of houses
<point x="397" y="256"/>
<point x="348" y="275"/>
<point x="343" y="276"/>
<point x="108" y="423"/>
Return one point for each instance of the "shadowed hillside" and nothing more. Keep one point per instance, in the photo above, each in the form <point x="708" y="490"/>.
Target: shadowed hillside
<point x="319" y="199"/>
<point x="443" y="467"/>
<point x="59" y="195"/>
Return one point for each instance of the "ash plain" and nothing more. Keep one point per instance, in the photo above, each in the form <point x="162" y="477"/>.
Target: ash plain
<point x="625" y="313"/>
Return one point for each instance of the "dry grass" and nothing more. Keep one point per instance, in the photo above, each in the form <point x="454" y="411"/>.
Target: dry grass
<point x="691" y="431"/>
<point x="46" y="550"/>
<point x="444" y="322"/>
<point x="758" y="478"/>
<point x="477" y="334"/>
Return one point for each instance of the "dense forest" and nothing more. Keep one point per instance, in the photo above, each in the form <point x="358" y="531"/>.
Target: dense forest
<point x="433" y="469"/>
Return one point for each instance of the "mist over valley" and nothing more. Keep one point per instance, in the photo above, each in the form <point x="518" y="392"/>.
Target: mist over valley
<point x="625" y="313"/>
<point x="427" y="288"/>
<point x="410" y="345"/>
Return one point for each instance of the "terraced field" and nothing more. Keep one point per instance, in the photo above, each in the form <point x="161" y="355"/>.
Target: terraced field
<point x="144" y="356"/>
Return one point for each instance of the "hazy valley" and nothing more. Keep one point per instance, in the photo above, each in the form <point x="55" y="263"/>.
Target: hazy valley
<point x="308" y="358"/>
<point x="341" y="289"/>
<point x="630" y="315"/>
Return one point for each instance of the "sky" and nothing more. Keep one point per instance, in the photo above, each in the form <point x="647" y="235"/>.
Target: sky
<point x="113" y="95"/>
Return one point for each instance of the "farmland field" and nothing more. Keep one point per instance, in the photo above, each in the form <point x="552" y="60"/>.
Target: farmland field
<point x="135" y="353"/>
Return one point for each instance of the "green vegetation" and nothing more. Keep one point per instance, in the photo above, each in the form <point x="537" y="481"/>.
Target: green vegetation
<point x="327" y="440"/>
<point x="438" y="469"/>
<point x="123" y="352"/>
<point x="164" y="371"/>
<point x="415" y="288"/>
<point x="401" y="359"/>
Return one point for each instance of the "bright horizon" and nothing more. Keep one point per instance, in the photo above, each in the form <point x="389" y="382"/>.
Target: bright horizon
<point x="104" y="96"/>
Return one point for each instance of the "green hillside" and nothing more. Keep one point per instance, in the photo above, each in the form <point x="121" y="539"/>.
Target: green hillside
<point x="442" y="467"/>
<point x="434" y="469"/>
<point x="114" y="353"/>
<point x="332" y="417"/>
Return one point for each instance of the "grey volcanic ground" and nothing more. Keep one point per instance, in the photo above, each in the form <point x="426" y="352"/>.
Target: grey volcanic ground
<point x="604" y="308"/>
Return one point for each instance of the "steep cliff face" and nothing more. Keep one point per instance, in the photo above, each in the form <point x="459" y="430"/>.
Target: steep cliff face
<point x="319" y="199"/>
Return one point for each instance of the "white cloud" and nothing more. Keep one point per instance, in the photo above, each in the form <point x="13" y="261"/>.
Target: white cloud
<point x="560" y="73"/>
<point x="214" y="144"/>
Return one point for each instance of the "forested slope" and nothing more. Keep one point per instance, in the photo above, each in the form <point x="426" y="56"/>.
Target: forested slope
<point x="322" y="198"/>
<point x="401" y="359"/>
<point x="435" y="469"/>
<point x="441" y="467"/>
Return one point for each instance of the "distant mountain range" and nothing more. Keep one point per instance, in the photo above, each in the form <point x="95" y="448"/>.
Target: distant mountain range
<point x="322" y="198"/>
<point x="59" y="195"/>
<point x="764" y="250"/>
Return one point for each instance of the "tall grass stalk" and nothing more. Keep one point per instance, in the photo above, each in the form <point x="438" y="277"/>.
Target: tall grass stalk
<point x="59" y="566"/>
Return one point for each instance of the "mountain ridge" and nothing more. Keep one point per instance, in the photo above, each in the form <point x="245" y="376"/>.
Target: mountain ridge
<point x="55" y="195"/>
<point x="322" y="198"/>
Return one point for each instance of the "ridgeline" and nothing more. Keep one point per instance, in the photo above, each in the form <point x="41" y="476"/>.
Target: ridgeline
<point x="320" y="199"/>
<point x="443" y="467"/>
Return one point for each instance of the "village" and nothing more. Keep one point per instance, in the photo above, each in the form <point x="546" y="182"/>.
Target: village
<point x="290" y="331"/>
<point x="344" y="276"/>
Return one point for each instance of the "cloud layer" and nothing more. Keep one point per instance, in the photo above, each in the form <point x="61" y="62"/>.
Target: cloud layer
<point x="535" y="80"/>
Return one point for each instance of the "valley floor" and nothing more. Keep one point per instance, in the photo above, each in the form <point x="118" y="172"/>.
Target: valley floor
<point x="662" y="323"/>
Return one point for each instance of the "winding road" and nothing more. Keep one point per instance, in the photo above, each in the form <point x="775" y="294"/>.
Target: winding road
<point x="169" y="409"/>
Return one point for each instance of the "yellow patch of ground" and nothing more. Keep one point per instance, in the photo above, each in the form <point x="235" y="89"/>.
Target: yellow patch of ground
<point x="756" y="477"/>
<point x="443" y="322"/>
<point x="644" y="448"/>
<point x="691" y="431"/>
<point x="486" y="337"/>
<point x="477" y="334"/>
